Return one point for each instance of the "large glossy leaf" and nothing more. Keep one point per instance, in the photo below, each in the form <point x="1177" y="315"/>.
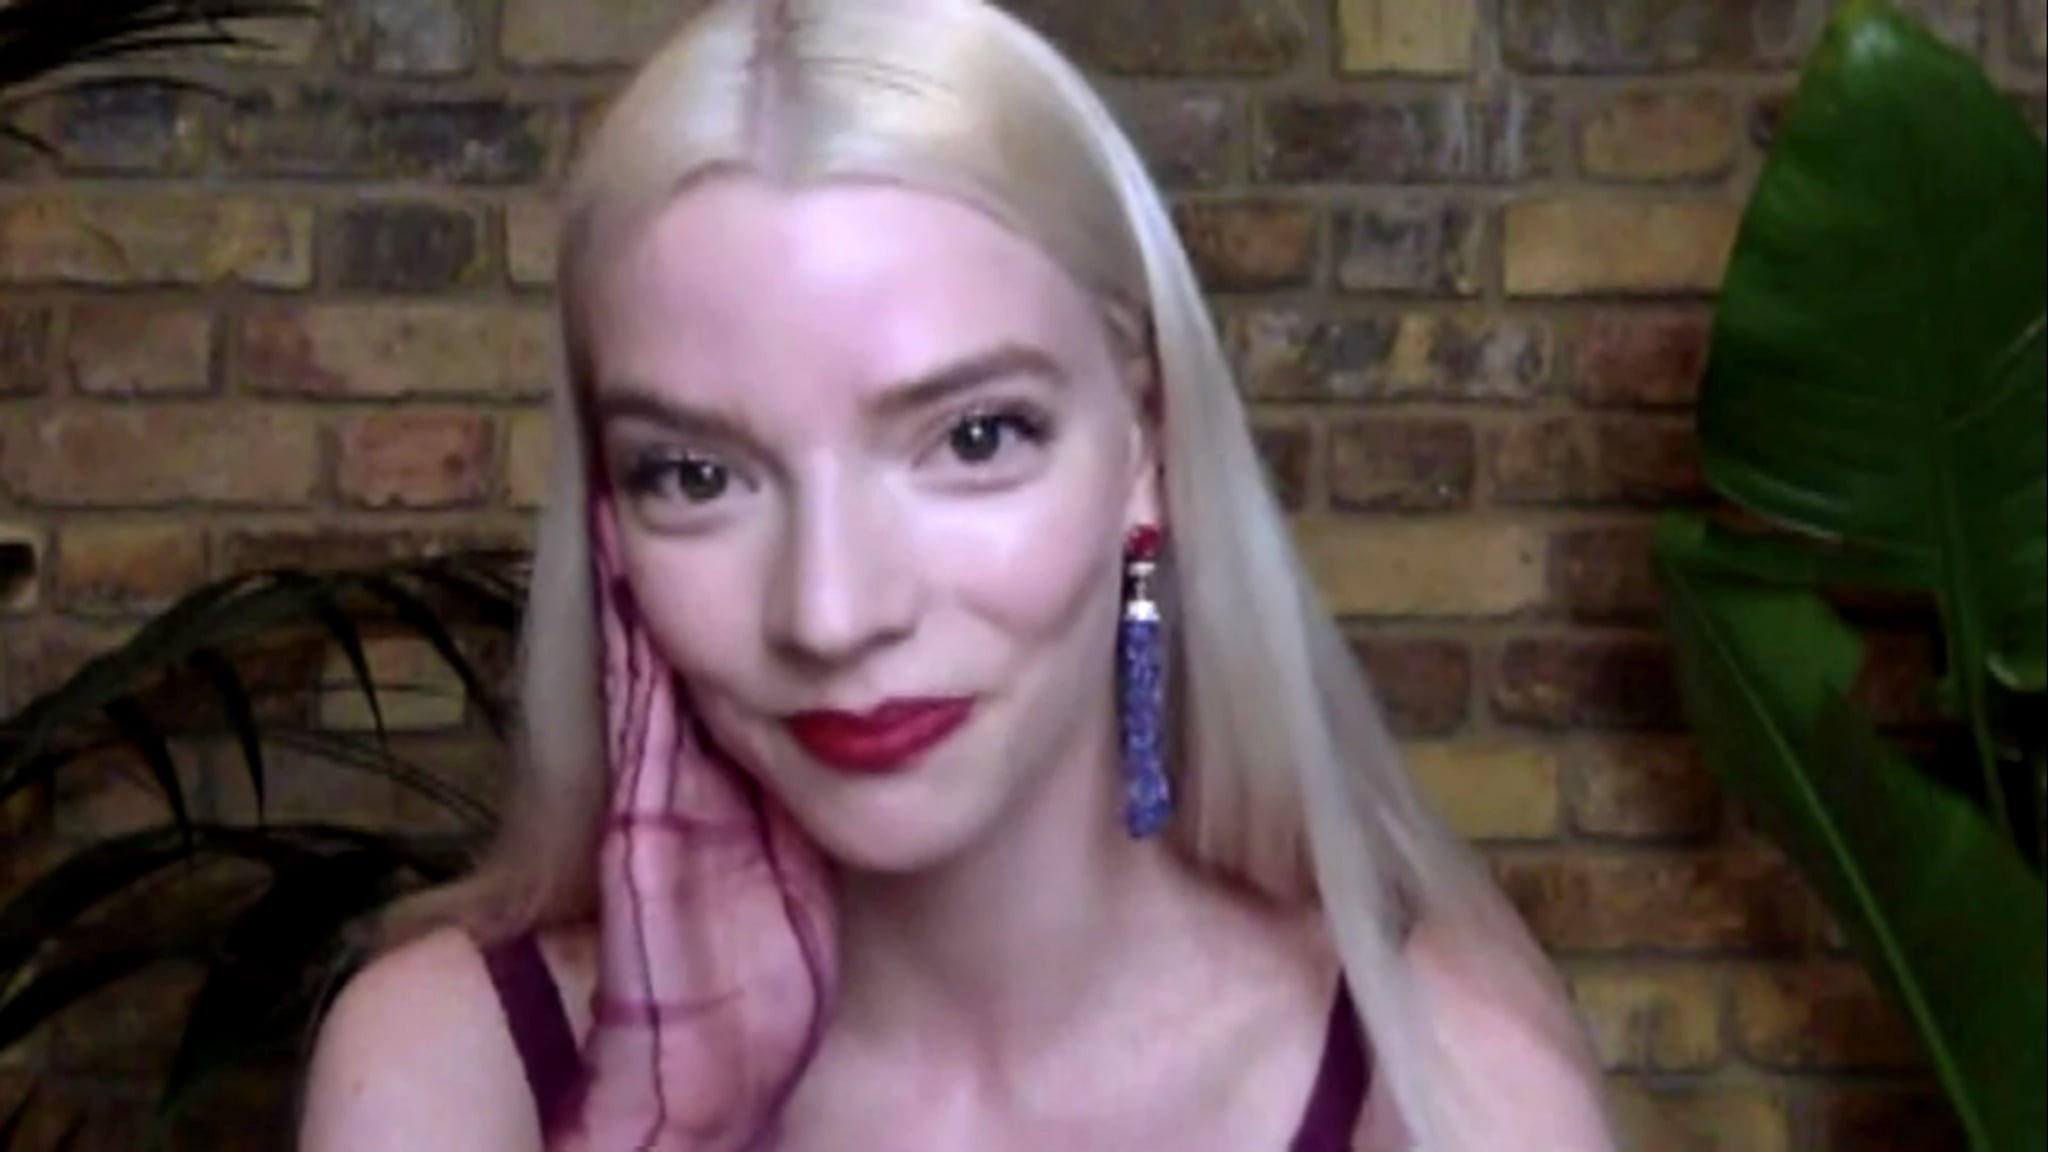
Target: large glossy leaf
<point x="1942" y="907"/>
<point x="1877" y="373"/>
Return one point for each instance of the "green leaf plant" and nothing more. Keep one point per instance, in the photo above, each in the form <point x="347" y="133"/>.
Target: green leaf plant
<point x="1875" y="404"/>
<point x="260" y="909"/>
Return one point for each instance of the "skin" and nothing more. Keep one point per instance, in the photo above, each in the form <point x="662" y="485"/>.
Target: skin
<point x="768" y="409"/>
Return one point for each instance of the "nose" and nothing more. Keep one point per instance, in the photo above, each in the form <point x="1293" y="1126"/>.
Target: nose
<point x="844" y="583"/>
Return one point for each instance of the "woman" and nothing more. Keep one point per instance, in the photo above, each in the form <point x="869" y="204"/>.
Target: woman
<point x="899" y="475"/>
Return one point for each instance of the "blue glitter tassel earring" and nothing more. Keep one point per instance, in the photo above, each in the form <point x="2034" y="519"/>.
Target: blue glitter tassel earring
<point x="1141" y="661"/>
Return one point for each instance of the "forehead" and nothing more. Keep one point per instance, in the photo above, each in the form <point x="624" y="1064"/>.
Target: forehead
<point x="859" y="283"/>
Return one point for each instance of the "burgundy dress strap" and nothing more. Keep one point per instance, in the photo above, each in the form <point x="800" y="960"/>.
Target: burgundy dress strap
<point x="538" y="1022"/>
<point x="1342" y="1084"/>
<point x="547" y="1049"/>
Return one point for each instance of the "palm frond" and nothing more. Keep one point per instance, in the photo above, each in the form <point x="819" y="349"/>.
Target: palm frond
<point x="43" y="41"/>
<point x="189" y="660"/>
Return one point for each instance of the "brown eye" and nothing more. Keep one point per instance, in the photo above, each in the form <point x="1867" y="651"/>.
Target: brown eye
<point x="980" y="438"/>
<point x="701" y="481"/>
<point x="693" y="478"/>
<point x="976" y="440"/>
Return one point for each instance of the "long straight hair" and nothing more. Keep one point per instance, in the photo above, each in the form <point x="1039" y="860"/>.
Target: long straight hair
<point x="1291" y="783"/>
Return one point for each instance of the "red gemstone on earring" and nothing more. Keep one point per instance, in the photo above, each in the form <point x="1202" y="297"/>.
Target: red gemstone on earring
<point x="1143" y="542"/>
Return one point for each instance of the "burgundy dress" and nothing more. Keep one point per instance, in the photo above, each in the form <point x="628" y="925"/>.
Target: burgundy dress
<point x="547" y="1047"/>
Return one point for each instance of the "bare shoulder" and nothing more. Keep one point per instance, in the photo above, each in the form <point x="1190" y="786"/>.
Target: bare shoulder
<point x="415" y="1056"/>
<point x="1523" y="1043"/>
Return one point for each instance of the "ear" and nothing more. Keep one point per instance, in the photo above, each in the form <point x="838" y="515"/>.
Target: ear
<point x="1146" y="502"/>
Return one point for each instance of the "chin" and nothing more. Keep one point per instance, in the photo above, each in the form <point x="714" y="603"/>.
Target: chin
<point x="887" y="827"/>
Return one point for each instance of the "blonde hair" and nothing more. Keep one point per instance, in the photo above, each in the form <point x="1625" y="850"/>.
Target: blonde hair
<point x="1290" y="782"/>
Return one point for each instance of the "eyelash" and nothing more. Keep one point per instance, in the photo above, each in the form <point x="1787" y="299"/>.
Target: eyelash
<point x="649" y="473"/>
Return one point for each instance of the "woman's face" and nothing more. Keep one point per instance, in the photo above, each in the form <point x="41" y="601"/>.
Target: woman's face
<point x="874" y="460"/>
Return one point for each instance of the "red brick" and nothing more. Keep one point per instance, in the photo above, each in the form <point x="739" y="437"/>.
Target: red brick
<point x="1414" y="567"/>
<point x="1604" y="573"/>
<point x="1649" y="788"/>
<point x="410" y="246"/>
<point x="1639" y="359"/>
<point x="391" y="350"/>
<point x="1489" y="792"/>
<point x="1190" y="37"/>
<point x="126" y="126"/>
<point x="118" y="568"/>
<point x="1652" y="134"/>
<point x="1887" y="1118"/>
<point x="1820" y="1015"/>
<point x="1373" y="139"/>
<point x="1409" y="246"/>
<point x="1586" y="682"/>
<point x="1289" y="453"/>
<point x="1423" y="684"/>
<point x="1187" y="136"/>
<point x="187" y="239"/>
<point x="1290" y="354"/>
<point x="1244" y="246"/>
<point x="416" y="460"/>
<point x="250" y="550"/>
<point x="25" y="349"/>
<point x="417" y="38"/>
<point x="547" y="34"/>
<point x="122" y="349"/>
<point x="1401" y="465"/>
<point x="1385" y="37"/>
<point x="1615" y="460"/>
<point x="1586" y="244"/>
<point x="1689" y="1115"/>
<point x="1661" y="1019"/>
<point x="319" y="132"/>
<point x="1647" y="35"/>
<point x="160" y="456"/>
<point x="1693" y="903"/>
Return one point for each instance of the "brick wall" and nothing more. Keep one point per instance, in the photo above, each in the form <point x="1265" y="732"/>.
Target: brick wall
<point x="1462" y="250"/>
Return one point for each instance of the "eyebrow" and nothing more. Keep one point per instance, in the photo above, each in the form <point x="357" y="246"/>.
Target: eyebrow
<point x="634" y="400"/>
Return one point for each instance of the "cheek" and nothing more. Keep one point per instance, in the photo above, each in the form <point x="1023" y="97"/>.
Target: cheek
<point x="1033" y="564"/>
<point x="694" y="603"/>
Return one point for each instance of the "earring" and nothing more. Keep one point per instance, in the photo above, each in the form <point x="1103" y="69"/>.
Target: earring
<point x="1141" y="660"/>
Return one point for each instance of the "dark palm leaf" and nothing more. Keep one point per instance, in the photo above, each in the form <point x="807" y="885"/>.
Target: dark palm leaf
<point x="194" y="645"/>
<point x="260" y="909"/>
<point x="264" y="989"/>
<point x="41" y="41"/>
<point x="348" y="753"/>
<point x="148" y="740"/>
<point x="239" y="713"/>
<point x="10" y="1128"/>
<point x="84" y="880"/>
<point x="42" y="38"/>
<point x="131" y="903"/>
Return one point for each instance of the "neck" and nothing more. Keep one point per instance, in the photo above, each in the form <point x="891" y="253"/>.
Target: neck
<point x="1007" y="949"/>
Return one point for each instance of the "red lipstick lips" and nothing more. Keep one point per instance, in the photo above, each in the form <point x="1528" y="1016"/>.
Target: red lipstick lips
<point x="881" y="740"/>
